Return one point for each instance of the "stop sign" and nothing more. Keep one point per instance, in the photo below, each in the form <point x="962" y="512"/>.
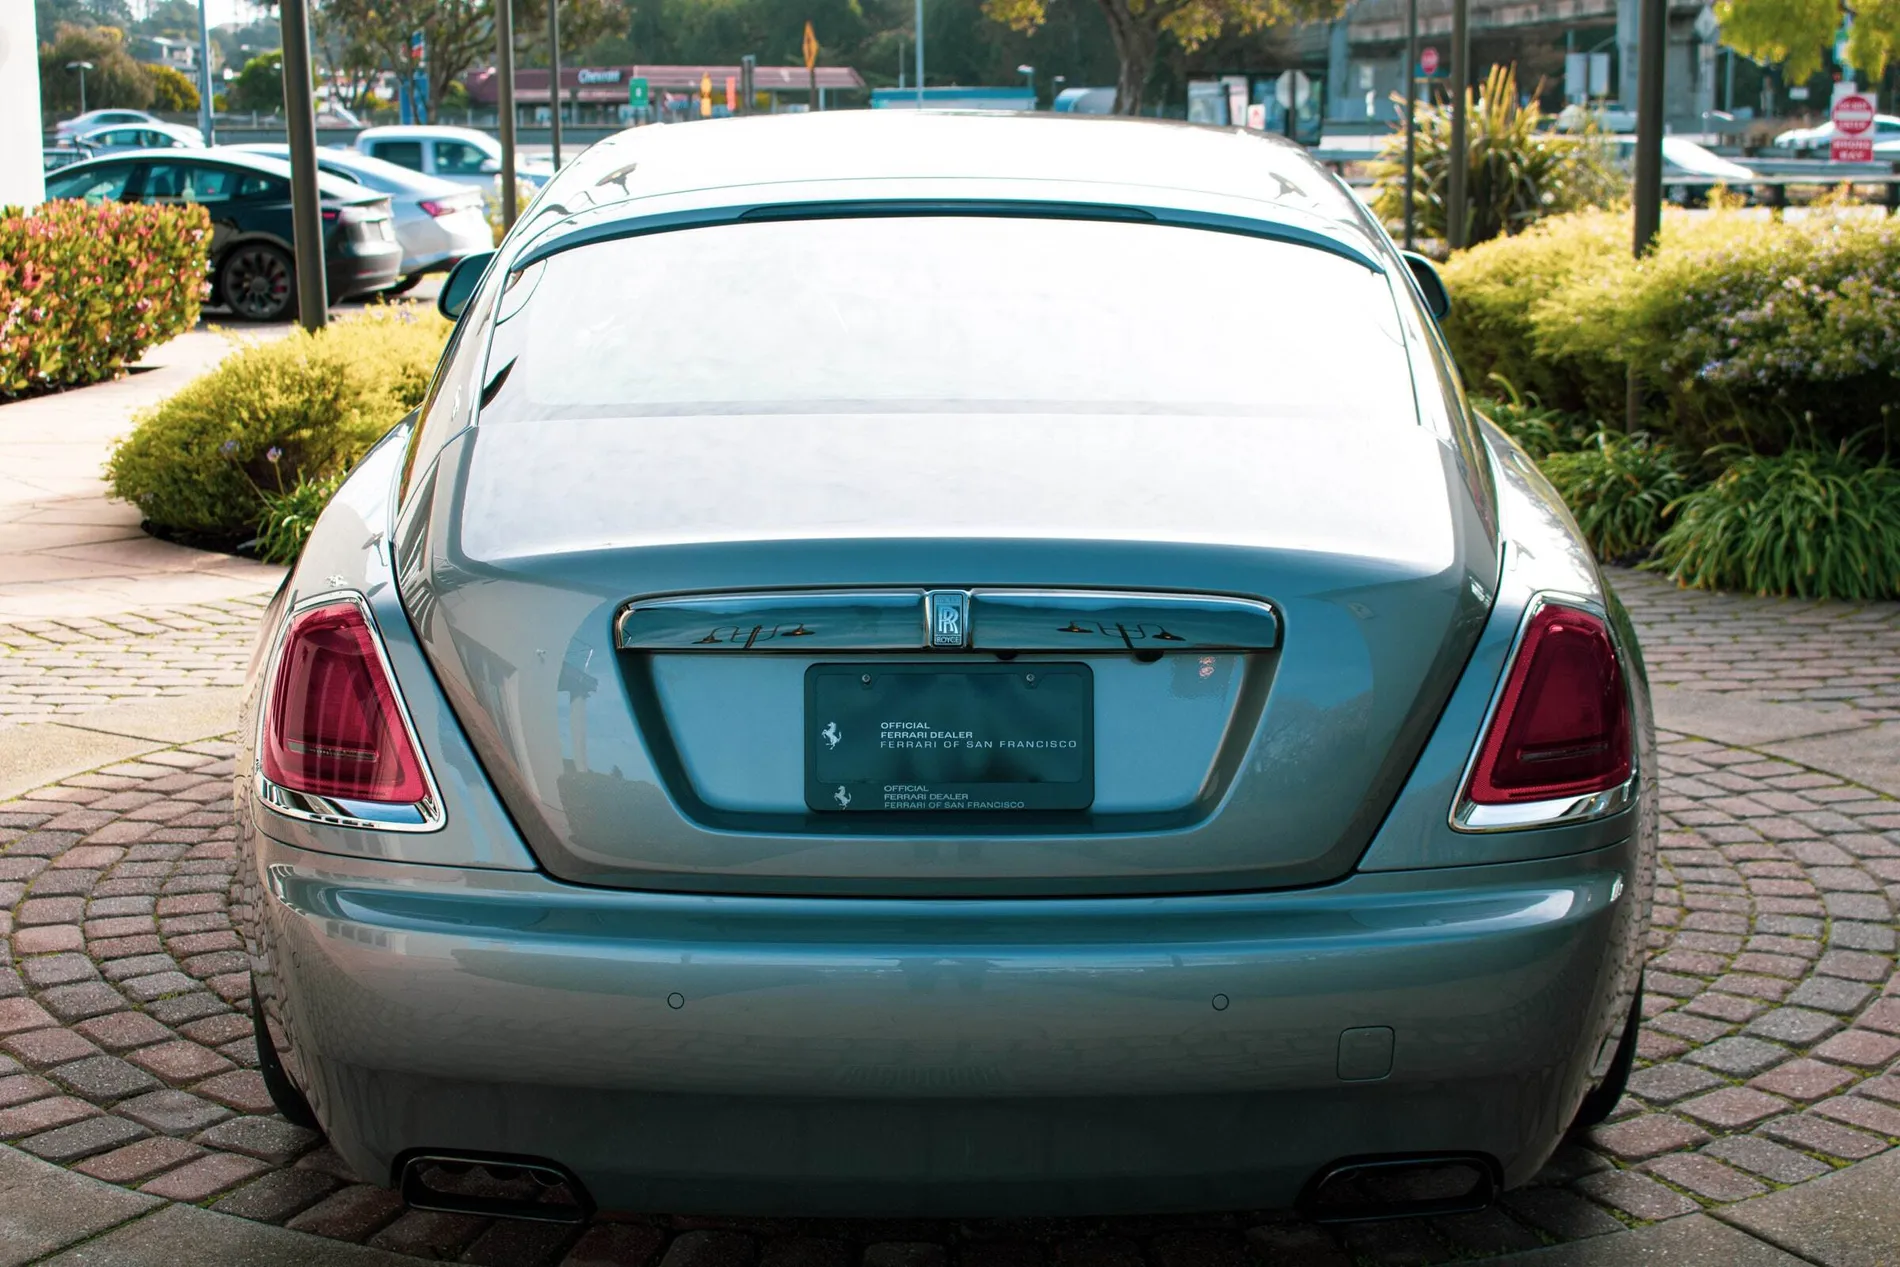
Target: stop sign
<point x="1853" y="114"/>
<point x="1428" y="64"/>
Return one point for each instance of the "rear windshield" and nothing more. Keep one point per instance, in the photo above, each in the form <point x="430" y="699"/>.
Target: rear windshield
<point x="945" y="314"/>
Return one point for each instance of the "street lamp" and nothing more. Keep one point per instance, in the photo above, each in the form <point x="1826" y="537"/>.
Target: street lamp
<point x="920" y="54"/>
<point x="82" y="68"/>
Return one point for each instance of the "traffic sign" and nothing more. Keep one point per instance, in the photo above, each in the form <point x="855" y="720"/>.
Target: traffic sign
<point x="1428" y="61"/>
<point x="1853" y="139"/>
<point x="811" y="47"/>
<point x="637" y="93"/>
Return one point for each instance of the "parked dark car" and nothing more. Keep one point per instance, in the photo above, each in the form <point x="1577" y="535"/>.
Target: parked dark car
<point x="253" y="265"/>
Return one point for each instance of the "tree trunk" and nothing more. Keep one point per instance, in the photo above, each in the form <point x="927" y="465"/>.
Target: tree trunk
<point x="1136" y="42"/>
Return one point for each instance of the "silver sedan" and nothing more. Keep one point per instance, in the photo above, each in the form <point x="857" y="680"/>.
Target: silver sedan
<point x="438" y="222"/>
<point x="940" y="664"/>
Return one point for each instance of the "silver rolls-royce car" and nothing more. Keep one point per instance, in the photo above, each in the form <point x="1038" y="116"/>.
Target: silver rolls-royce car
<point x="932" y="664"/>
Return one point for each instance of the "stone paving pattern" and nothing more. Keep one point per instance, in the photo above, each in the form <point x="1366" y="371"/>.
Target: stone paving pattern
<point x="1769" y="1057"/>
<point x="75" y="664"/>
<point x="1821" y="654"/>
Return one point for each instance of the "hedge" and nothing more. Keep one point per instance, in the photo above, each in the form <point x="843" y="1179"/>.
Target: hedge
<point x="1742" y="330"/>
<point x="87" y="288"/>
<point x="213" y="460"/>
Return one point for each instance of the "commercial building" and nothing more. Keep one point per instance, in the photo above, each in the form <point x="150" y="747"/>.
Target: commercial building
<point x="1580" y="50"/>
<point x="606" y="93"/>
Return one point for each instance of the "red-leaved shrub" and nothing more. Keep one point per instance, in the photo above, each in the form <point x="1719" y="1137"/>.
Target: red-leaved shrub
<point x="86" y="288"/>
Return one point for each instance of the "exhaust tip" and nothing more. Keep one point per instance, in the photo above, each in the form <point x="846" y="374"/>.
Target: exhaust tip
<point x="1368" y="1189"/>
<point x="493" y="1185"/>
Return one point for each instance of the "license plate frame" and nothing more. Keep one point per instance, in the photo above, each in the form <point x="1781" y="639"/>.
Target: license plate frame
<point x="936" y="737"/>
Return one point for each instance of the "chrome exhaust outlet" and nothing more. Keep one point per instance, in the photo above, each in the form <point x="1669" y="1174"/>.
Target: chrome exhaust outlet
<point x="493" y="1185"/>
<point x="1406" y="1186"/>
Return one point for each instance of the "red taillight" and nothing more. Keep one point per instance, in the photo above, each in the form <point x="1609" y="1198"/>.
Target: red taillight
<point x="438" y="209"/>
<point x="334" y="727"/>
<point x="1562" y="727"/>
<point x="330" y="215"/>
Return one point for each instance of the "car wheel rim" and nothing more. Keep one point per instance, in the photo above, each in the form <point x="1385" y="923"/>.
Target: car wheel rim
<point x="257" y="284"/>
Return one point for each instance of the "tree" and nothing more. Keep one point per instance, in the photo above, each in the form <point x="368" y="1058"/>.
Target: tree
<point x="172" y="90"/>
<point x="1799" y="33"/>
<point x="1138" y="25"/>
<point x="458" y="35"/>
<point x="114" y="80"/>
<point x="260" y="85"/>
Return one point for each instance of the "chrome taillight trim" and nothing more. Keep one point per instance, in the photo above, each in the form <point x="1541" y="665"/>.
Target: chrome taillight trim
<point x="425" y="815"/>
<point x="1469" y="816"/>
<point x="1473" y="817"/>
<point x="897" y="620"/>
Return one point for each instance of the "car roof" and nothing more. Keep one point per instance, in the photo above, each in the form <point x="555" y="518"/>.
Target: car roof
<point x="264" y="164"/>
<point x="142" y="125"/>
<point x="422" y="131"/>
<point x="894" y="153"/>
<point x="402" y="178"/>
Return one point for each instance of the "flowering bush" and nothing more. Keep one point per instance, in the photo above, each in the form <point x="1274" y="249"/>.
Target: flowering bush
<point x="273" y="421"/>
<point x="86" y="288"/>
<point x="1742" y="330"/>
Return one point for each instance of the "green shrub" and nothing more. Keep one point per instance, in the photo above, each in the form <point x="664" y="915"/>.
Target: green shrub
<point x="275" y="416"/>
<point x="1621" y="488"/>
<point x="1809" y="523"/>
<point x="1540" y="431"/>
<point x="1752" y="331"/>
<point x="290" y="514"/>
<point x="1495" y="288"/>
<point x="85" y="288"/>
<point x="1742" y="331"/>
<point x="1517" y="171"/>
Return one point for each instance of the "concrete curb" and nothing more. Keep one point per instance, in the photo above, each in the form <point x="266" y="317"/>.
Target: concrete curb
<point x="34" y="754"/>
<point x="1840" y="742"/>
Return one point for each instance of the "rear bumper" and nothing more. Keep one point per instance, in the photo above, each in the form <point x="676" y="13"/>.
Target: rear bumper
<point x="830" y="1056"/>
<point x="356" y="268"/>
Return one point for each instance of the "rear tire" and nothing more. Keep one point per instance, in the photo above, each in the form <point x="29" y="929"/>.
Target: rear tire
<point x="1600" y="1103"/>
<point x="258" y="283"/>
<point x="283" y="1092"/>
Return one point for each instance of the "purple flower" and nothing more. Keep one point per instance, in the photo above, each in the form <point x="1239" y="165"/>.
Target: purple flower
<point x="228" y="448"/>
<point x="272" y="454"/>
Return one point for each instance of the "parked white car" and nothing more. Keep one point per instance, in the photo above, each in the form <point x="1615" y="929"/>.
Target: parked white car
<point x="127" y="137"/>
<point x="437" y="221"/>
<point x="463" y="155"/>
<point x="93" y="120"/>
<point x="1886" y="128"/>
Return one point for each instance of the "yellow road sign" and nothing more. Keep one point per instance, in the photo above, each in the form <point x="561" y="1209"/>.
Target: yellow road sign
<point x="811" y="47"/>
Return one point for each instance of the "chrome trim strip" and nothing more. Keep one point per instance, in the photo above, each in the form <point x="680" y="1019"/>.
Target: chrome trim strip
<point x="420" y="816"/>
<point x="1473" y="817"/>
<point x="814" y="621"/>
<point x="1468" y="816"/>
<point x="1106" y="620"/>
<point x="784" y="622"/>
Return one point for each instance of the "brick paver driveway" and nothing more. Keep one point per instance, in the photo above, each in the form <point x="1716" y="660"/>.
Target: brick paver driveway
<point x="1768" y="1055"/>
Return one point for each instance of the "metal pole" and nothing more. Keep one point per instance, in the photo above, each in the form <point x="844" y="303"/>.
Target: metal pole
<point x="920" y="54"/>
<point x="82" y="90"/>
<point x="748" y="82"/>
<point x="1411" y="129"/>
<point x="1460" y="86"/>
<point x="554" y="78"/>
<point x="204" y="74"/>
<point x="505" y="85"/>
<point x="817" y="102"/>
<point x="1652" y="35"/>
<point x="300" y="128"/>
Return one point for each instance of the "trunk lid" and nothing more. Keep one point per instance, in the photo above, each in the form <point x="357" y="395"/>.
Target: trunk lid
<point x="1224" y="763"/>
